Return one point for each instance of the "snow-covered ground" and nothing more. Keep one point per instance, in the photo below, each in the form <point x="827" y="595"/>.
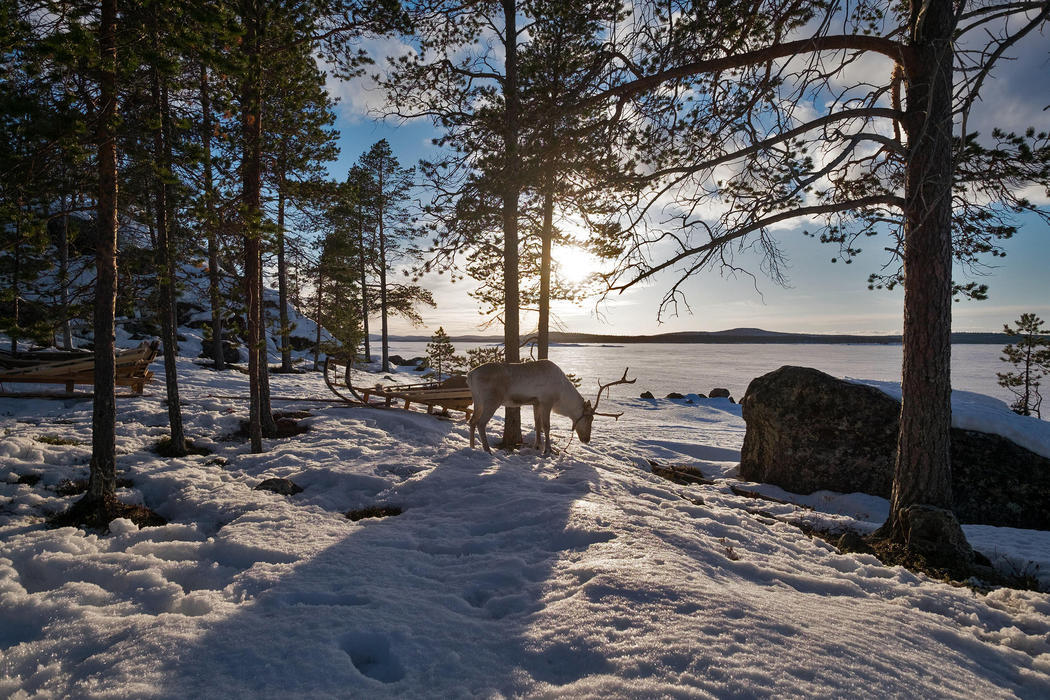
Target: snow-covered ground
<point x="578" y="575"/>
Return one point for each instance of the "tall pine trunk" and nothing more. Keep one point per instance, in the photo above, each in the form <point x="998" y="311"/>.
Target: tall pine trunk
<point x="317" y="319"/>
<point x="364" y="280"/>
<point x="165" y="262"/>
<point x="269" y="425"/>
<point x="382" y="290"/>
<point x="282" y="278"/>
<point x="544" y="322"/>
<point x="511" y="193"/>
<point x="251" y="177"/>
<point x="63" y="276"/>
<point x="102" y="482"/>
<point x="16" y="280"/>
<point x="214" y="293"/>
<point x="922" y="474"/>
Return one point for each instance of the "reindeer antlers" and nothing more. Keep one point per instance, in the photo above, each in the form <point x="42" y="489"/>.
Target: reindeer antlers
<point x="603" y="387"/>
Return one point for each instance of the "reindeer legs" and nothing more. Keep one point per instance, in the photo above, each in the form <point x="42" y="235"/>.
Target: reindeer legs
<point x="480" y="418"/>
<point x="546" y="413"/>
<point x="537" y="419"/>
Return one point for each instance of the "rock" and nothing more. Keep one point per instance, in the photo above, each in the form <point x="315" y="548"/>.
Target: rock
<point x="185" y="310"/>
<point x="719" y="394"/>
<point x="285" y="487"/>
<point x="299" y="343"/>
<point x="230" y="353"/>
<point x="141" y="327"/>
<point x="28" y="479"/>
<point x="807" y="431"/>
<point x="647" y="395"/>
<point x="397" y="360"/>
<point x="675" y="395"/>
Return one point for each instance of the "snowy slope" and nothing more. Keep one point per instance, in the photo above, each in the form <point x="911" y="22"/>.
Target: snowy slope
<point x="580" y="575"/>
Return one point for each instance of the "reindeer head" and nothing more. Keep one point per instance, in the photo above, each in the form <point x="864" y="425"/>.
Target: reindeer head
<point x="582" y="425"/>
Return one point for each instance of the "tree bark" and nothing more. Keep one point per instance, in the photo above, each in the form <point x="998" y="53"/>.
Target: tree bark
<point x="382" y="275"/>
<point x="922" y="474"/>
<point x="364" y="281"/>
<point x="165" y="263"/>
<point x="317" y="320"/>
<point x="16" y="281"/>
<point x="269" y="425"/>
<point x="543" y="324"/>
<point x="102" y="482"/>
<point x="63" y="277"/>
<point x="282" y="275"/>
<point x="214" y="293"/>
<point x="251" y="173"/>
<point x="511" y="192"/>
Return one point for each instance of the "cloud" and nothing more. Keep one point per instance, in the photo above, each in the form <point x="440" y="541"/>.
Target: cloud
<point x="361" y="98"/>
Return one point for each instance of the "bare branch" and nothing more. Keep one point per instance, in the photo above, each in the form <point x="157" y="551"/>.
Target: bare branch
<point x="719" y="241"/>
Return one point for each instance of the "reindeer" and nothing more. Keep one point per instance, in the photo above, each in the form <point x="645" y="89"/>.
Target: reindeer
<point x="540" y="384"/>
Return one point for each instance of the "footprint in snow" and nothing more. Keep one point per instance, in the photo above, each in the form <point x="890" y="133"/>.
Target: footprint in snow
<point x="370" y="654"/>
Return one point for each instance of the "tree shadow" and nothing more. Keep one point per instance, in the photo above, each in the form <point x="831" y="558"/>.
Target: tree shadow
<point x="437" y="600"/>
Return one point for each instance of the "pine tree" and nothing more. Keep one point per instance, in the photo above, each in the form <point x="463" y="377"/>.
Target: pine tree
<point x="272" y="31"/>
<point x="299" y="137"/>
<point x="387" y="197"/>
<point x="722" y="124"/>
<point x="102" y="480"/>
<point x="571" y="169"/>
<point x="337" y="281"/>
<point x="479" y="107"/>
<point x="441" y="355"/>
<point x="1031" y="356"/>
<point x="358" y="191"/>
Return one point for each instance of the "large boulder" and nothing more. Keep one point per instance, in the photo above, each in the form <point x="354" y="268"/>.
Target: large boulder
<point x="803" y="428"/>
<point x="230" y="353"/>
<point x="807" y="431"/>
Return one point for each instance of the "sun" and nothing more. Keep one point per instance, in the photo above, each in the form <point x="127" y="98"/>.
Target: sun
<point x="573" y="265"/>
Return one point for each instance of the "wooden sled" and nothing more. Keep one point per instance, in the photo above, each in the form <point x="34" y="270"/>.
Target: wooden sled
<point x="449" y="395"/>
<point x="72" y="368"/>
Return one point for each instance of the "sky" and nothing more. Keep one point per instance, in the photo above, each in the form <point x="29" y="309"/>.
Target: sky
<point x="818" y="297"/>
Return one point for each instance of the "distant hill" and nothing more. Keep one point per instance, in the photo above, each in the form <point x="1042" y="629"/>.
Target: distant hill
<point x="732" y="335"/>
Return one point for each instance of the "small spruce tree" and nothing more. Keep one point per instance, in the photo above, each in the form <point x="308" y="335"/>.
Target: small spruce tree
<point x="1031" y="356"/>
<point x="441" y="355"/>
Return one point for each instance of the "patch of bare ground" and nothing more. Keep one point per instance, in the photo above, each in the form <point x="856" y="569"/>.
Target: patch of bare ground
<point x="163" y="448"/>
<point x="981" y="576"/>
<point x="97" y="514"/>
<point x="373" y="512"/>
<point x="679" y="473"/>
<point x="289" y="424"/>
<point x="73" y="487"/>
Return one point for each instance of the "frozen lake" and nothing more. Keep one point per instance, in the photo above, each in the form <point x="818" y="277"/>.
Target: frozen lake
<point x="682" y="367"/>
